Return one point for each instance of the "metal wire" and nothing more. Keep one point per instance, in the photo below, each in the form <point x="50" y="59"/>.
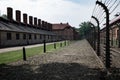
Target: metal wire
<point x="112" y="4"/>
<point x="100" y="13"/>
<point x="115" y="8"/>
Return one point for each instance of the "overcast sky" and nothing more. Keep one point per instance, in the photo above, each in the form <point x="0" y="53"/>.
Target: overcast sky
<point x="54" y="11"/>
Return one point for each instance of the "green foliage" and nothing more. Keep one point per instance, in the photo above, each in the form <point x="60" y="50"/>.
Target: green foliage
<point x="84" y="28"/>
<point x="4" y="16"/>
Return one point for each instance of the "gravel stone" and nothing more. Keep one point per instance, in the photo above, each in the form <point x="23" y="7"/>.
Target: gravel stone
<point x="77" y="61"/>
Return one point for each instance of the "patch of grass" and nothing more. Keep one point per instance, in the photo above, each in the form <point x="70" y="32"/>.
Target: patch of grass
<point x="50" y="48"/>
<point x="34" y="51"/>
<point x="12" y="56"/>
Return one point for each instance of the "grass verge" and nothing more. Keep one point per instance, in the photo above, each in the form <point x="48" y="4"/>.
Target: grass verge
<point x="12" y="56"/>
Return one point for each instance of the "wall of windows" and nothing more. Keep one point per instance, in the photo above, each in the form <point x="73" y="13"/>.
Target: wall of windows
<point x="17" y="38"/>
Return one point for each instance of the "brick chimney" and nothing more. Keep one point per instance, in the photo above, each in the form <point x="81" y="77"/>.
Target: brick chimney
<point x="43" y="25"/>
<point x="18" y="16"/>
<point x="10" y="13"/>
<point x="50" y="27"/>
<point x="47" y="28"/>
<point x="25" y="18"/>
<point x="35" y="21"/>
<point x="31" y="20"/>
<point x="47" y="25"/>
<point x="39" y="23"/>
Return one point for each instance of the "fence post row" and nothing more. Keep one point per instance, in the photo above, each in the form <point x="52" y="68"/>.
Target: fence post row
<point x="65" y="42"/>
<point x="60" y="44"/>
<point x="54" y="45"/>
<point x="44" y="42"/>
<point x="98" y="36"/>
<point x="24" y="54"/>
<point x="108" y="61"/>
<point x="94" y="36"/>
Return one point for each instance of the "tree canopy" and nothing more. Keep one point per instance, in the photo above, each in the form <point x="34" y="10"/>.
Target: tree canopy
<point x="84" y="28"/>
<point x="4" y="16"/>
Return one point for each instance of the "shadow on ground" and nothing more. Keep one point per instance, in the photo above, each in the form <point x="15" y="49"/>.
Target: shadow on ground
<point x="114" y="74"/>
<point x="54" y="71"/>
<point x="51" y="71"/>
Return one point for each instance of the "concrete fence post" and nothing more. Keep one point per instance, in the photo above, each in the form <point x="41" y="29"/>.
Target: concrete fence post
<point x="44" y="49"/>
<point x="54" y="45"/>
<point x="60" y="44"/>
<point x="24" y="54"/>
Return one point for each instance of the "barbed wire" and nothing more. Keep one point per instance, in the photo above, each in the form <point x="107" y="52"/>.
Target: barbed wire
<point x="98" y="12"/>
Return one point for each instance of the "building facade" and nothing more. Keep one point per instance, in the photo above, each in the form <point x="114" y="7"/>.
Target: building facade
<point x="31" y="30"/>
<point x="64" y="31"/>
<point x="114" y="30"/>
<point x="17" y="33"/>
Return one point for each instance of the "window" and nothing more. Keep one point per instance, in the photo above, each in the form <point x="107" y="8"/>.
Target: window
<point x="40" y="36"/>
<point x="24" y="36"/>
<point x="30" y="37"/>
<point x="48" y="36"/>
<point x="9" y="36"/>
<point x="35" y="37"/>
<point x="51" y="37"/>
<point x="43" y="36"/>
<point x="17" y="36"/>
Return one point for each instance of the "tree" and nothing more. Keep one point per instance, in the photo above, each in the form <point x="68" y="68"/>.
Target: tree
<point x="4" y="16"/>
<point x="84" y="29"/>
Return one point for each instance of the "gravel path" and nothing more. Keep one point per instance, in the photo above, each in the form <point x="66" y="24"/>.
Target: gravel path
<point x="75" y="62"/>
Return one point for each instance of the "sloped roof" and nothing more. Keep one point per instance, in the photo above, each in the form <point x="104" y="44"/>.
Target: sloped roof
<point x="112" y="22"/>
<point x="115" y="20"/>
<point x="8" y="26"/>
<point x="60" y="26"/>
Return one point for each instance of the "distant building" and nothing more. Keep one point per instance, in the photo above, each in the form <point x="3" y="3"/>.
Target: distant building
<point x="114" y="29"/>
<point x="31" y="30"/>
<point x="64" y="31"/>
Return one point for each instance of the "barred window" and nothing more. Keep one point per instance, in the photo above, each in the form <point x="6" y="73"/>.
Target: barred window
<point x="40" y="36"/>
<point x="35" y="37"/>
<point x="24" y="36"/>
<point x="17" y="36"/>
<point x="30" y="36"/>
<point x="9" y="36"/>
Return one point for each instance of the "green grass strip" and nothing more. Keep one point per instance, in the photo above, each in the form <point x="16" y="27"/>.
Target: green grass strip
<point x="13" y="56"/>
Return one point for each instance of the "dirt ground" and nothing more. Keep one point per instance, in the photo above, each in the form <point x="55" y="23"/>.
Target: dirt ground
<point x="77" y="61"/>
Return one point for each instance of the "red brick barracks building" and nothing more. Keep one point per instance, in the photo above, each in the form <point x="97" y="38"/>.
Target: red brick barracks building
<point x="65" y="31"/>
<point x="30" y="31"/>
<point x="114" y="29"/>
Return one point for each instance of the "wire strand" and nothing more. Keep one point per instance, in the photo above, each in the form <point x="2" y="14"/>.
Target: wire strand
<point x="115" y="8"/>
